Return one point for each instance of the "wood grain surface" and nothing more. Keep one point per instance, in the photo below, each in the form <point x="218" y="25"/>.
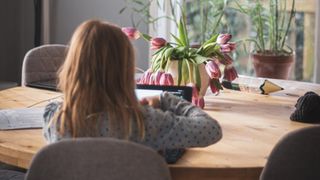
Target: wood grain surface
<point x="251" y="123"/>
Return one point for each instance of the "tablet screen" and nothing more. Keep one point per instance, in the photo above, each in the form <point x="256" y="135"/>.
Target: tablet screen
<point x="143" y="90"/>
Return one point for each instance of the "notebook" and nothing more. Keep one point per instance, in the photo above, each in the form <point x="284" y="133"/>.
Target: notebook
<point x="22" y="118"/>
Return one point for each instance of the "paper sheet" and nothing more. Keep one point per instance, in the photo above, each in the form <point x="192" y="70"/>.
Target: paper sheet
<point x="21" y="118"/>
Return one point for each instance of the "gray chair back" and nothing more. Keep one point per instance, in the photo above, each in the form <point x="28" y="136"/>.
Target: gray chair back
<point x="11" y="175"/>
<point x="296" y="156"/>
<point x="97" y="159"/>
<point x="42" y="63"/>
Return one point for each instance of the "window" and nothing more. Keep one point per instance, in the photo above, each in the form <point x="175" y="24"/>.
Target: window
<point x="302" y="38"/>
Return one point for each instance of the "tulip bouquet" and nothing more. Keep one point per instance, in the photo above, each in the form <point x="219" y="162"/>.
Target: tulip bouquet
<point x="179" y="63"/>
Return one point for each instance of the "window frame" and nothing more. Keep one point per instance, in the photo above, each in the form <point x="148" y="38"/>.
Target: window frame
<point x="167" y="26"/>
<point x="316" y="71"/>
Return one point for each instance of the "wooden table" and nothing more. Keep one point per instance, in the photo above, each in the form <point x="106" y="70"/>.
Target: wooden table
<point x="251" y="124"/>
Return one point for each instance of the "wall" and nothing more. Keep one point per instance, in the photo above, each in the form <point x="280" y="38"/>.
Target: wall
<point x="16" y="35"/>
<point x="67" y="15"/>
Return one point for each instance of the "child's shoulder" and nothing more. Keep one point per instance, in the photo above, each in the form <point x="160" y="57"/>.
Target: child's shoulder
<point x="52" y="107"/>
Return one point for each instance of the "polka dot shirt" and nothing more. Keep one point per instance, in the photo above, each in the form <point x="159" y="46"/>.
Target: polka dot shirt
<point x="176" y="124"/>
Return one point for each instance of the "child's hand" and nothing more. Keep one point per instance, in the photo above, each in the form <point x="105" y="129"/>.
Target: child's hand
<point x="153" y="101"/>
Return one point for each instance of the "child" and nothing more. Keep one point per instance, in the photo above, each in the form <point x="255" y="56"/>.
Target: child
<point x="97" y="80"/>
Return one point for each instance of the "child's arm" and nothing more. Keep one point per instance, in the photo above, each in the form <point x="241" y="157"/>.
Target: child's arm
<point x="179" y="124"/>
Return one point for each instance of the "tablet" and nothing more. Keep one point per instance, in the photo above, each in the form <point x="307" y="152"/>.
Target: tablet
<point x="143" y="90"/>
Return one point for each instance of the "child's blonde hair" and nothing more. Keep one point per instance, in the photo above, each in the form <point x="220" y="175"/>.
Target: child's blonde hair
<point x="97" y="79"/>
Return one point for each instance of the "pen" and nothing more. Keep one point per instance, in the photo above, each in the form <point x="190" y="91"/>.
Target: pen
<point x="263" y="88"/>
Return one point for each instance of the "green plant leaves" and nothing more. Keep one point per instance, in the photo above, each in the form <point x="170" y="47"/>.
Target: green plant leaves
<point x="211" y="40"/>
<point x="179" y="72"/>
<point x="200" y="59"/>
<point x="271" y="24"/>
<point x="197" y="76"/>
<point x="216" y="83"/>
<point x="183" y="35"/>
<point x="178" y="41"/>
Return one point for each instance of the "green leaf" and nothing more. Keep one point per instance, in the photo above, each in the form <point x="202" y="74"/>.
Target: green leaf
<point x="220" y="55"/>
<point x="183" y="32"/>
<point x="216" y="83"/>
<point x="179" y="72"/>
<point x="138" y="2"/>
<point x="190" y="71"/>
<point x="159" y="50"/>
<point x="192" y="59"/>
<point x="185" y="72"/>
<point x="210" y="45"/>
<point x="213" y="39"/>
<point x="197" y="76"/>
<point x="168" y="53"/>
<point x="200" y="59"/>
<point x="178" y="41"/>
<point x="157" y="58"/>
<point x="146" y="37"/>
<point x="210" y="51"/>
<point x="122" y="10"/>
<point x="165" y="57"/>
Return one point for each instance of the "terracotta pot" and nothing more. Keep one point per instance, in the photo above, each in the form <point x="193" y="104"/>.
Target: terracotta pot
<point x="272" y="66"/>
<point x="205" y="79"/>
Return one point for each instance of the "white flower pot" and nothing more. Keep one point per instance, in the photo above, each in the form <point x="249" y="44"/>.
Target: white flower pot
<point x="205" y="79"/>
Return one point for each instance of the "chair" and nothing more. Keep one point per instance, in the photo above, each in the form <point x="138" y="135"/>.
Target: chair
<point x="97" y="158"/>
<point x="11" y="175"/>
<point x="296" y="156"/>
<point x="41" y="63"/>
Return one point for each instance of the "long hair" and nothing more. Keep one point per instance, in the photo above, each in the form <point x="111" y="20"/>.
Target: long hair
<point x="97" y="80"/>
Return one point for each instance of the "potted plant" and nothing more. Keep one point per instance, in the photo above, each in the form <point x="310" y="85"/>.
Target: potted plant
<point x="178" y="63"/>
<point x="272" y="57"/>
<point x="204" y="17"/>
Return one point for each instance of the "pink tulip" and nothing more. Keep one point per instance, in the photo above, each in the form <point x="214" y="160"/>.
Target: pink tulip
<point x="166" y="79"/>
<point x="131" y="32"/>
<point x="158" y="77"/>
<point x="195" y="92"/>
<point x="213" y="70"/>
<point x="201" y="103"/>
<point x="145" y="78"/>
<point x="213" y="86"/>
<point x="157" y="43"/>
<point x="223" y="38"/>
<point x="198" y="102"/>
<point x="195" y="101"/>
<point x="227" y="60"/>
<point x="152" y="79"/>
<point x="139" y="81"/>
<point x="228" y="47"/>
<point x="230" y="73"/>
<point x="148" y="74"/>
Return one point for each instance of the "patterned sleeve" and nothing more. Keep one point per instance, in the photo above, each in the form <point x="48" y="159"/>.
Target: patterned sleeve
<point x="179" y="124"/>
<point x="49" y="129"/>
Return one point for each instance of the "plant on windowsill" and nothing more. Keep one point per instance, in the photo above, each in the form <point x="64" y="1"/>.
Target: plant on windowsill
<point x="178" y="63"/>
<point x="271" y="56"/>
<point x="204" y="17"/>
